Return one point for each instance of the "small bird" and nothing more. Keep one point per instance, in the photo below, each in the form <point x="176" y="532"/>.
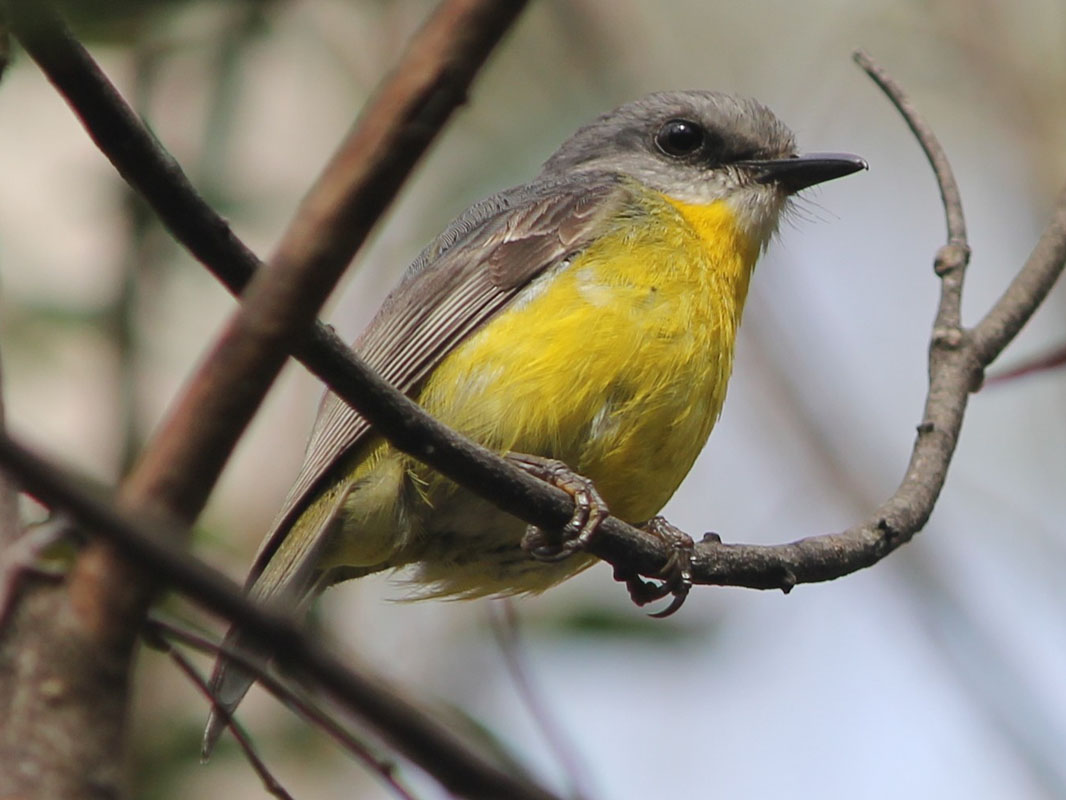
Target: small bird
<point x="586" y="318"/>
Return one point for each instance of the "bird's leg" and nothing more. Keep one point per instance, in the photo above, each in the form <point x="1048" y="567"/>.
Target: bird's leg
<point x="676" y="575"/>
<point x="589" y="509"/>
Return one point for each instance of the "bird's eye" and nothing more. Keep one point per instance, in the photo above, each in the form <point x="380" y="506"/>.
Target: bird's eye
<point x="680" y="137"/>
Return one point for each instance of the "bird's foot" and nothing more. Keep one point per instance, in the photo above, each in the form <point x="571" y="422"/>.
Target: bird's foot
<point x="589" y="509"/>
<point x="674" y="579"/>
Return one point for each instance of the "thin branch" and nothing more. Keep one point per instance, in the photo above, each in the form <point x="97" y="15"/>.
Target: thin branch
<point x="270" y="783"/>
<point x="128" y="144"/>
<point x="938" y="160"/>
<point x="428" y="743"/>
<point x="303" y="706"/>
<point x="952" y="258"/>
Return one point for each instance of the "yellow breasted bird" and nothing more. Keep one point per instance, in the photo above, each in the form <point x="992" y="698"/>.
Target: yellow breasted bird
<point x="587" y="316"/>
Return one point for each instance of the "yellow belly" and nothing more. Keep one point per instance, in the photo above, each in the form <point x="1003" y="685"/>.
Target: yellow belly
<point x="617" y="364"/>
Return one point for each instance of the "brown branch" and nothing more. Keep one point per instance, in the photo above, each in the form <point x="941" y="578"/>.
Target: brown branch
<point x="506" y="629"/>
<point x="182" y="463"/>
<point x="428" y="743"/>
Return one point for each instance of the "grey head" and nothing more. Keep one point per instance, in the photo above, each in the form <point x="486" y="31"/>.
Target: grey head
<point x="700" y="146"/>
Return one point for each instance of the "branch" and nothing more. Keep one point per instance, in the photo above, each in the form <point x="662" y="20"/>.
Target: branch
<point x="181" y="465"/>
<point x="1027" y="291"/>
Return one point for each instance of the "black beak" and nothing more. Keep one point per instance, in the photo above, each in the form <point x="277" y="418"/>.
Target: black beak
<point x="799" y="172"/>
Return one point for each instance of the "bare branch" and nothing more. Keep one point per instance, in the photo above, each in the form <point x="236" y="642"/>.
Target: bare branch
<point x="938" y="160"/>
<point x="506" y="629"/>
<point x="182" y="463"/>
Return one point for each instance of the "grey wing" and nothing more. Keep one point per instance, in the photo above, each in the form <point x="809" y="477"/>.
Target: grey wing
<point x="470" y="272"/>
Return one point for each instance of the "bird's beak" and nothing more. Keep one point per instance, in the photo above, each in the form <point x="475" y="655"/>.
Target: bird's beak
<point x="798" y="172"/>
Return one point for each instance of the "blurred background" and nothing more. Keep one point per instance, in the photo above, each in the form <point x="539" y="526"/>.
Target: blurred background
<point x="937" y="673"/>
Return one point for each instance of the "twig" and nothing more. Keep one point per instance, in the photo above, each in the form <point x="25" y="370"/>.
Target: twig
<point x="270" y="783"/>
<point x="303" y="706"/>
<point x="410" y="730"/>
<point x="938" y="160"/>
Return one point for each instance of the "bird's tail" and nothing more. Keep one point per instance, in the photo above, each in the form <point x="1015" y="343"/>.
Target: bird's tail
<point x="230" y="682"/>
<point x="289" y="580"/>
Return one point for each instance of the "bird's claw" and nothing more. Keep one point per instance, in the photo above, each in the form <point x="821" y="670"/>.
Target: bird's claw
<point x="675" y="577"/>
<point x="589" y="509"/>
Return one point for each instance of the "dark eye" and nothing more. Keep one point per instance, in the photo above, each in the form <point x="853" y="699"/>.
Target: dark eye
<point x="680" y="137"/>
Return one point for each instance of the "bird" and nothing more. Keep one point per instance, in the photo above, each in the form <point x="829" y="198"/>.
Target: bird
<point x="582" y="324"/>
